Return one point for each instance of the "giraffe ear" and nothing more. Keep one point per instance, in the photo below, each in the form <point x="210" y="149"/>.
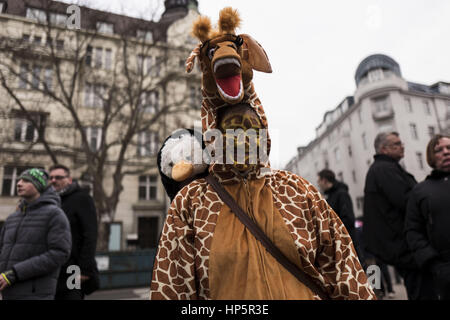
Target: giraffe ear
<point x="255" y="55"/>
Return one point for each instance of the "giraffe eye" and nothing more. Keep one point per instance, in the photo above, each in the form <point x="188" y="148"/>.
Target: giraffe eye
<point x="211" y="53"/>
<point x="171" y="164"/>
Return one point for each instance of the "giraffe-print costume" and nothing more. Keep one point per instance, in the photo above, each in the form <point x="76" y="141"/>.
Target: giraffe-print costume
<point x="205" y="252"/>
<point x="325" y="249"/>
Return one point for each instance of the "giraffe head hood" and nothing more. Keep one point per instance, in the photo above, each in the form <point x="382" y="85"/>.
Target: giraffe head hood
<point x="227" y="60"/>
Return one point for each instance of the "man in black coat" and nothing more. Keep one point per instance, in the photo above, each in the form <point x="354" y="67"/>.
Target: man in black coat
<point x="336" y="194"/>
<point x="428" y="219"/>
<point x="81" y="212"/>
<point x="386" y="193"/>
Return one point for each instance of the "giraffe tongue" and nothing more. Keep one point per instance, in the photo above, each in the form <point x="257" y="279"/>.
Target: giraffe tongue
<point x="230" y="85"/>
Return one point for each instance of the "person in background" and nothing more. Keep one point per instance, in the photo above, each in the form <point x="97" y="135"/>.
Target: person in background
<point x="386" y="192"/>
<point x="80" y="209"/>
<point x="336" y="194"/>
<point x="35" y="241"/>
<point x="428" y="220"/>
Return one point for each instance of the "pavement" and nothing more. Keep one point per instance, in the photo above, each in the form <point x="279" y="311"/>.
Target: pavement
<point x="143" y="293"/>
<point x="121" y="294"/>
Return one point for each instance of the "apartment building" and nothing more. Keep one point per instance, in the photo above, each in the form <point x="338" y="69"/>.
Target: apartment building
<point x="70" y="88"/>
<point x="383" y="101"/>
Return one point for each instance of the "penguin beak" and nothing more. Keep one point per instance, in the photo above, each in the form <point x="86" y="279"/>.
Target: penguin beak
<point x="182" y="170"/>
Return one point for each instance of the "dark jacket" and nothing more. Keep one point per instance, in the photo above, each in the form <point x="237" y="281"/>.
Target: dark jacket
<point x="80" y="209"/>
<point x="35" y="242"/>
<point x="428" y="219"/>
<point x="339" y="199"/>
<point x="386" y="193"/>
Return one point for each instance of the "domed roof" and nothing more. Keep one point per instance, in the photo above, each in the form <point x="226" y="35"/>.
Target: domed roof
<point x="376" y="61"/>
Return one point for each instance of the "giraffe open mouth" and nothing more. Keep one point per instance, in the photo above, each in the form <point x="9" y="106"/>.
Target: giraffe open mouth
<point x="227" y="72"/>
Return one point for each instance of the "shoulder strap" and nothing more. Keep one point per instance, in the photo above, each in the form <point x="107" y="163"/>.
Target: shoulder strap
<point x="265" y="241"/>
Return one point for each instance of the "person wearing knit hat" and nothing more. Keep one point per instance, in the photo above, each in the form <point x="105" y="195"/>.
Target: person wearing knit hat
<point x="38" y="177"/>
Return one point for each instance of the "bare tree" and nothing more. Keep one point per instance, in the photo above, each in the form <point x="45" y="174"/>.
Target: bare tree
<point x="71" y="87"/>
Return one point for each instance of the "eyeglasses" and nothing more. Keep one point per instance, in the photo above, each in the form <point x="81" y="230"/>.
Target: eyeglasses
<point x="395" y="144"/>
<point x="57" y="177"/>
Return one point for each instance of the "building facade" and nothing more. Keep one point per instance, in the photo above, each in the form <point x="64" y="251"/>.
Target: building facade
<point x="383" y="101"/>
<point x="127" y="64"/>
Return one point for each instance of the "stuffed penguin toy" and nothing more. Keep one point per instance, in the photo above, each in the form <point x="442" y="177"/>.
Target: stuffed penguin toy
<point x="181" y="160"/>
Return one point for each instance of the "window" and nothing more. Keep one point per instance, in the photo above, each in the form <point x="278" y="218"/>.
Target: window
<point x="360" y="203"/>
<point x="381" y="104"/>
<point x="37" y="40"/>
<point x="337" y="154"/>
<point x="108" y="59"/>
<point x="39" y="74"/>
<point x="419" y="160"/>
<point x="150" y="101"/>
<point x="364" y="141"/>
<point x="25" y="37"/>
<point x="23" y="77"/>
<point x="59" y="44"/>
<point x="158" y="65"/>
<point x="10" y="176"/>
<point x="88" y="55"/>
<point x="431" y="131"/>
<point x="94" y="95"/>
<point x="148" y="186"/>
<point x="148" y="144"/>
<point x="98" y="57"/>
<point x="105" y="27"/>
<point x="350" y="152"/>
<point x="144" y="64"/>
<point x="36" y="14"/>
<point x="99" y="96"/>
<point x="58" y="19"/>
<point x="340" y="176"/>
<point x="144" y="35"/>
<point x="409" y="108"/>
<point x="140" y="63"/>
<point x="88" y="95"/>
<point x="94" y="136"/>
<point x="148" y="64"/>
<point x="375" y="75"/>
<point x="354" y="176"/>
<point x="24" y="131"/>
<point x="2" y="7"/>
<point x="427" y="108"/>
<point x="413" y="129"/>
<point x="48" y="78"/>
<point x="36" y="77"/>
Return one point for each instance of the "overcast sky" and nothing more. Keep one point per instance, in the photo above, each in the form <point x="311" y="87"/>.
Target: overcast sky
<point x="315" y="47"/>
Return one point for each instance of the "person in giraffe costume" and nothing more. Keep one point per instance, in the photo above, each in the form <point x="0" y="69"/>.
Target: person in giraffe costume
<point x="205" y="252"/>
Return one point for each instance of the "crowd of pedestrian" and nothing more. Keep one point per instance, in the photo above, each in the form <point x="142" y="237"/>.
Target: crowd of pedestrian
<point x="404" y="224"/>
<point x="53" y="228"/>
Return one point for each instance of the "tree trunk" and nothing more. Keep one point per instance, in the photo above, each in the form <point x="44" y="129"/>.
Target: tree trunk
<point x="103" y="236"/>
